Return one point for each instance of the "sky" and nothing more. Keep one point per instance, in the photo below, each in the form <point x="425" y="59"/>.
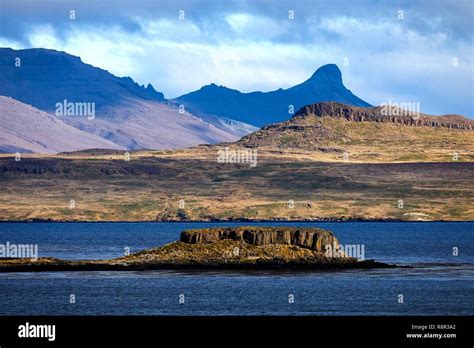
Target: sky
<point x="388" y="51"/>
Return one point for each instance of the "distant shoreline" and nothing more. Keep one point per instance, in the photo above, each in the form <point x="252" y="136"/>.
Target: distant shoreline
<point x="229" y="221"/>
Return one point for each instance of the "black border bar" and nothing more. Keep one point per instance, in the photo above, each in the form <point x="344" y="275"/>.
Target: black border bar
<point x="166" y="330"/>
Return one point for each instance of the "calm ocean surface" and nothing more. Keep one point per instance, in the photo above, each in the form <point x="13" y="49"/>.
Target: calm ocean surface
<point x="438" y="284"/>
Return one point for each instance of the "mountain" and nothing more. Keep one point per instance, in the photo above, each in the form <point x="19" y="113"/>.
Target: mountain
<point x="46" y="77"/>
<point x="24" y="128"/>
<point x="260" y="108"/>
<point x="331" y="126"/>
<point x="125" y="113"/>
<point x="147" y="124"/>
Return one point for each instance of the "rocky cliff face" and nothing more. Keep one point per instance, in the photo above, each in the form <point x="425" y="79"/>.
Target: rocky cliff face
<point x="383" y="114"/>
<point x="333" y="125"/>
<point x="312" y="238"/>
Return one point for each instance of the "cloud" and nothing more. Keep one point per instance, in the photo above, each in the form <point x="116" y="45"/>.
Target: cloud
<point x="43" y="36"/>
<point x="254" y="45"/>
<point x="245" y="25"/>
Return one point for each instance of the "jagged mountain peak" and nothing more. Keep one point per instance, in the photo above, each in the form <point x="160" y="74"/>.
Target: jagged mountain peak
<point x="262" y="108"/>
<point x="329" y="73"/>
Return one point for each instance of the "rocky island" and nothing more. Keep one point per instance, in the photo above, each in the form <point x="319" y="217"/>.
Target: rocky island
<point x="218" y="248"/>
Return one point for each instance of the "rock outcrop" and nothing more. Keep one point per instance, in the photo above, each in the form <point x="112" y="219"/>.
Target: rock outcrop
<point x="312" y="238"/>
<point x="384" y="114"/>
<point x="219" y="248"/>
<point x="334" y="125"/>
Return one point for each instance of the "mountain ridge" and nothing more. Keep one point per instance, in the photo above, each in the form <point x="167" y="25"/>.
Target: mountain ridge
<point x="128" y="114"/>
<point x="64" y="76"/>
<point x="262" y="108"/>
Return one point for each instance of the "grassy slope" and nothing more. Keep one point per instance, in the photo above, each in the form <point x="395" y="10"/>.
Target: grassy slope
<point x="366" y="141"/>
<point x="387" y="163"/>
<point x="149" y="187"/>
